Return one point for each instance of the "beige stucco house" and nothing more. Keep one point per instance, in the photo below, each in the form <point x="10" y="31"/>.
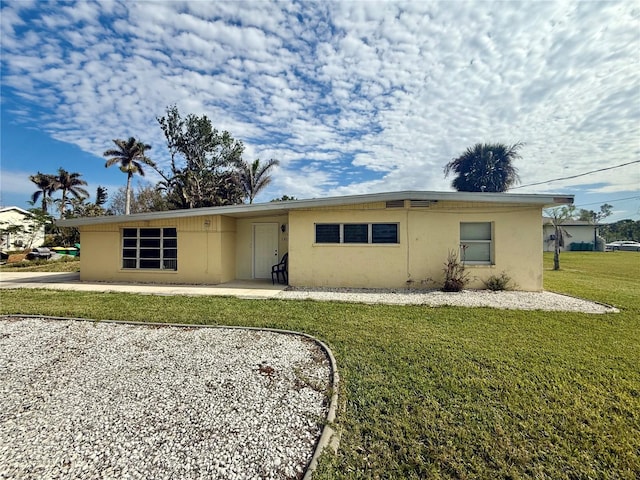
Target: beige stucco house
<point x="390" y="240"/>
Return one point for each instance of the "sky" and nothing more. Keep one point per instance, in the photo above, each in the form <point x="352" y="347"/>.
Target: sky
<point x="351" y="97"/>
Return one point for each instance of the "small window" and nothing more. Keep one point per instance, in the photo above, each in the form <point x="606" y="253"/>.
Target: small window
<point x="384" y="233"/>
<point x="476" y="242"/>
<point x="356" y="233"/>
<point x="149" y="248"/>
<point x="150" y="232"/>
<point x="328" y="233"/>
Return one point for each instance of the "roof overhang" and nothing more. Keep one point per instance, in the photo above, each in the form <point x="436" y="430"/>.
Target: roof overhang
<point x="282" y="208"/>
<point x="573" y="223"/>
<point x="17" y="209"/>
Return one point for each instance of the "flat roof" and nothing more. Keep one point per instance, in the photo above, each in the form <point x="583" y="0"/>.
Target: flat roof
<point x="278" y="208"/>
<point x="570" y="222"/>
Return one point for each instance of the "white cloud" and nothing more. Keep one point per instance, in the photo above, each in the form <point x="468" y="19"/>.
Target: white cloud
<point x="17" y="182"/>
<point x="397" y="89"/>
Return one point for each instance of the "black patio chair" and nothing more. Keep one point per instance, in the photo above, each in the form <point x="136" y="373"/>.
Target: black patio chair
<point x="280" y="269"/>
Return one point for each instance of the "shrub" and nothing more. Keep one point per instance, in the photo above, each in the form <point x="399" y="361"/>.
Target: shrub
<point x="455" y="276"/>
<point x="500" y="282"/>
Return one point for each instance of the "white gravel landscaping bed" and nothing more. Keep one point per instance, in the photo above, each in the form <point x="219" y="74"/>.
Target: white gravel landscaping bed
<point x="514" y="300"/>
<point x="85" y="400"/>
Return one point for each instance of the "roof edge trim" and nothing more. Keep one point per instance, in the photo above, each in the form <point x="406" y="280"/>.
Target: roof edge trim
<point x="284" y="207"/>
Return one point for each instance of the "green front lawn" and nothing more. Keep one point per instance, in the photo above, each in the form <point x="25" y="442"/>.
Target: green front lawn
<point x="451" y="392"/>
<point x="65" y="264"/>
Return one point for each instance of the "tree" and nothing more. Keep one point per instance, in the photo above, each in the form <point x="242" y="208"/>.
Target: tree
<point x="27" y="230"/>
<point x="594" y="218"/>
<point x="47" y="184"/>
<point x="254" y="177"/>
<point x="70" y="183"/>
<point x="101" y="196"/>
<point x="621" y="230"/>
<point x="558" y="216"/>
<point x="80" y="208"/>
<point x="130" y="154"/>
<point x="9" y="230"/>
<point x="143" y="199"/>
<point x="485" y="167"/>
<point x="204" y="162"/>
<point x="284" y="198"/>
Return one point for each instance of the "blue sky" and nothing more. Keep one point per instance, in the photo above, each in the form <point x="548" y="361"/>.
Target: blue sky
<point x="351" y="97"/>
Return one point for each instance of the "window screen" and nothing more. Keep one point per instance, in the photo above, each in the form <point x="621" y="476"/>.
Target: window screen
<point x="150" y="248"/>
<point x="384" y="233"/>
<point x="328" y="233"/>
<point x="476" y="242"/>
<point x="356" y="233"/>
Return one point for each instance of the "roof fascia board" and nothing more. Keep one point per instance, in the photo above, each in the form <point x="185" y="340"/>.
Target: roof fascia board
<point x="17" y="209"/>
<point x="284" y="207"/>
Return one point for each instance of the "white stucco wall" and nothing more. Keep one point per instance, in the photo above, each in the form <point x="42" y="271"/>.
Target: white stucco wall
<point x="576" y="234"/>
<point x="30" y="236"/>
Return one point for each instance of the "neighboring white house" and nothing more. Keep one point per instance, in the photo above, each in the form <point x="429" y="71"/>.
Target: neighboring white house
<point x="19" y="229"/>
<point x="578" y="235"/>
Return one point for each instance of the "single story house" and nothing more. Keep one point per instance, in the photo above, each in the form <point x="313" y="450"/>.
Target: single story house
<point x="577" y="235"/>
<point x="381" y="240"/>
<point x="19" y="229"/>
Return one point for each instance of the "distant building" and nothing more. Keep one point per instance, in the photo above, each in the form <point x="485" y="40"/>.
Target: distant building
<point x="19" y="229"/>
<point x="578" y="235"/>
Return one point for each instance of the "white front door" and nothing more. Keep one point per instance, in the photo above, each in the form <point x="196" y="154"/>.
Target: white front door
<point x="265" y="249"/>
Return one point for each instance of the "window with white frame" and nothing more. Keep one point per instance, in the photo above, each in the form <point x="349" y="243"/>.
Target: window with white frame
<point x="150" y="248"/>
<point x="476" y="242"/>
<point x="376" y="233"/>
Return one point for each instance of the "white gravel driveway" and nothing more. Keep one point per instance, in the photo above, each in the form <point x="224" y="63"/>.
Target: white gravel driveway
<point x="85" y="400"/>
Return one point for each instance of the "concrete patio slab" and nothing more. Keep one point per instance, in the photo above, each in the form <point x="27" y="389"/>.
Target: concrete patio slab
<point x="71" y="281"/>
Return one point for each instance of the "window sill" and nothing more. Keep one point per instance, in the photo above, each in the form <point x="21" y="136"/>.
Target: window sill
<point x="147" y="270"/>
<point x="352" y="245"/>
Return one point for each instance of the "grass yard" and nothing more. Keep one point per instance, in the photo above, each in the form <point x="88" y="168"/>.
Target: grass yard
<point x="451" y="392"/>
<point x="66" y="264"/>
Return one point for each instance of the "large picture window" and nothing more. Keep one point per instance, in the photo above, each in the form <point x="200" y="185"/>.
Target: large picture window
<point x="476" y="242"/>
<point x="150" y="248"/>
<point x="357" y="233"/>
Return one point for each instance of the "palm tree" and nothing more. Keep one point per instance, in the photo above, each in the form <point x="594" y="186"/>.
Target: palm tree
<point x="254" y="177"/>
<point x="130" y="154"/>
<point x="557" y="216"/>
<point x="70" y="183"/>
<point x="47" y="184"/>
<point x="101" y="196"/>
<point x="485" y="167"/>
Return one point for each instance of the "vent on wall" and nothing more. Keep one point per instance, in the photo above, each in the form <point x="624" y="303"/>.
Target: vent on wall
<point x="395" y="204"/>
<point x="421" y="203"/>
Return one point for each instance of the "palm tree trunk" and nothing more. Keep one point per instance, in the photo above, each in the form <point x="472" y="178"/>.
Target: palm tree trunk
<point x="63" y="202"/>
<point x="556" y="250"/>
<point x="127" y="204"/>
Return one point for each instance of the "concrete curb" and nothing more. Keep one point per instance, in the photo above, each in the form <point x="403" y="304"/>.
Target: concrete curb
<point x="329" y="437"/>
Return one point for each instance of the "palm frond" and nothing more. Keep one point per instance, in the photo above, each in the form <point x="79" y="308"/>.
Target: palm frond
<point x="485" y="167"/>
